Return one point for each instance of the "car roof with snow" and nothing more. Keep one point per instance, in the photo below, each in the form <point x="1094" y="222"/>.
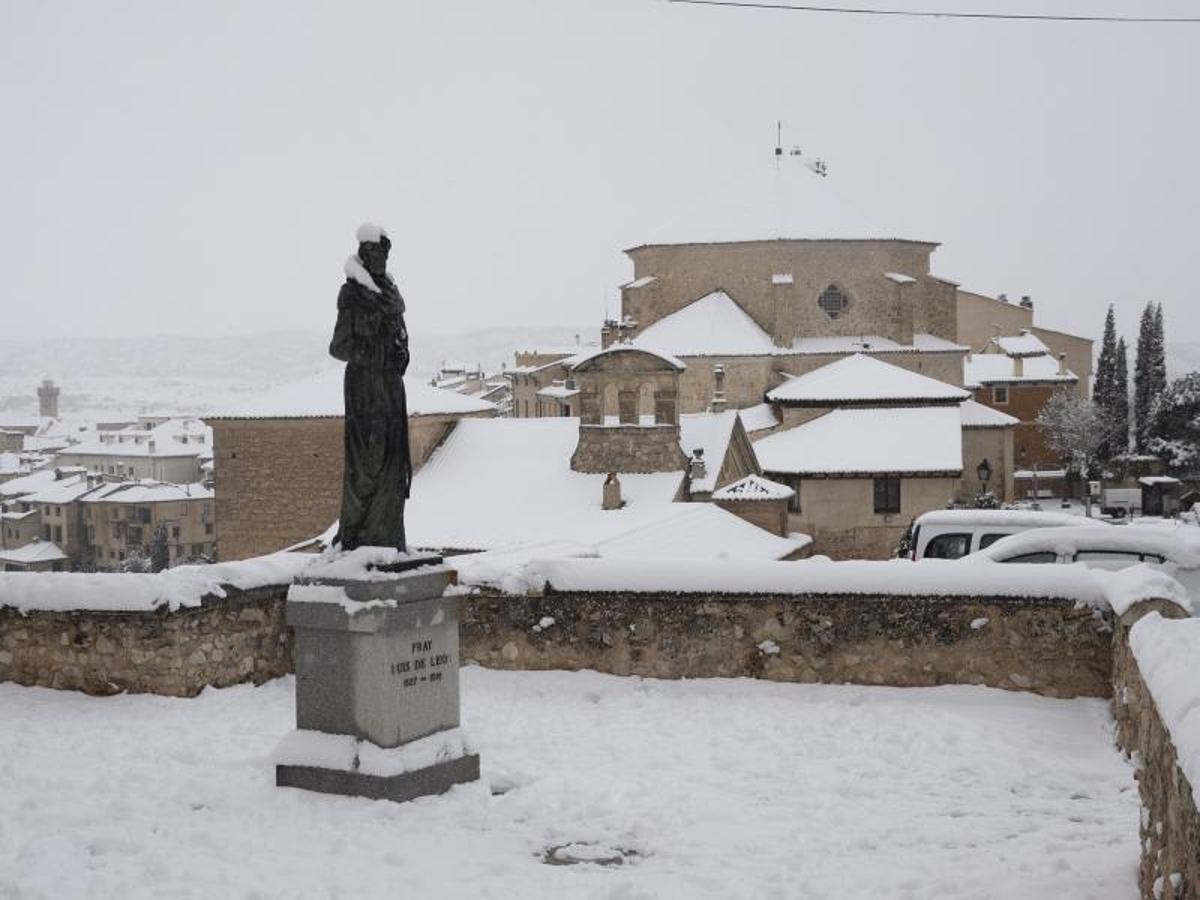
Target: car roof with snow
<point x="1020" y="518"/>
<point x="1116" y="538"/>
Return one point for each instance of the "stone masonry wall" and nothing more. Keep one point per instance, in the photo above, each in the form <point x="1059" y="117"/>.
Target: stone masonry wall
<point x="1170" y="826"/>
<point x="241" y="637"/>
<point x="1044" y="646"/>
<point x="628" y="448"/>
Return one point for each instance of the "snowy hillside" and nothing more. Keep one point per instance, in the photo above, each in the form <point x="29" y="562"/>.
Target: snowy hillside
<point x="177" y="373"/>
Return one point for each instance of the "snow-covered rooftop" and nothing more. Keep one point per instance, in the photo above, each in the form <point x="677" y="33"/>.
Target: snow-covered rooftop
<point x="860" y="378"/>
<point x="37" y="551"/>
<point x="905" y="440"/>
<point x="641" y="282"/>
<point x="583" y="358"/>
<point x="147" y="491"/>
<point x="714" y="325"/>
<point x="783" y="278"/>
<point x="151" y="449"/>
<point x="710" y="432"/>
<point x="557" y="391"/>
<point x="1023" y="344"/>
<point x="320" y="396"/>
<point x="754" y="487"/>
<point x="27" y="484"/>
<point x="758" y="418"/>
<point x="999" y="368"/>
<point x="976" y="415"/>
<point x="62" y="490"/>
<point x="872" y="343"/>
<point x="503" y="484"/>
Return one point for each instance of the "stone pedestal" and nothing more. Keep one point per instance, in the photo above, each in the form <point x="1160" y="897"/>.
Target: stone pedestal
<point x="377" y="696"/>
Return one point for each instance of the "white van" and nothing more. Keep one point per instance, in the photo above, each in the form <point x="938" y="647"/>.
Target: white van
<point x="953" y="533"/>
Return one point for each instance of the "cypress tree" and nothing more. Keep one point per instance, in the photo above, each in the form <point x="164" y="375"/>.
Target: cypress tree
<point x="1103" y="389"/>
<point x="1141" y="377"/>
<point x="1158" y="371"/>
<point x="1120" y="409"/>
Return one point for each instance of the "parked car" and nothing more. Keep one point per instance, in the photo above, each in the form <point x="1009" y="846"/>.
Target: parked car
<point x="1173" y="548"/>
<point x="953" y="533"/>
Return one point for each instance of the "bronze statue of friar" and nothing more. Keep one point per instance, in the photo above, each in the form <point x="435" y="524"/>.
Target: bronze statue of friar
<point x="370" y="337"/>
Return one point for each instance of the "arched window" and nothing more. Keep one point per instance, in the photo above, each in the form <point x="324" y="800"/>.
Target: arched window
<point x="646" y="404"/>
<point x="611" y="409"/>
<point x="833" y="300"/>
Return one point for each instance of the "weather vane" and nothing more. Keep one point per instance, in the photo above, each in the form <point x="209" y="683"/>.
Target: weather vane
<point x="814" y="164"/>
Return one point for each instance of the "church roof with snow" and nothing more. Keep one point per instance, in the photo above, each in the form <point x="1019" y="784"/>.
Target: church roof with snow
<point x="863" y="379"/>
<point x="714" y="325"/>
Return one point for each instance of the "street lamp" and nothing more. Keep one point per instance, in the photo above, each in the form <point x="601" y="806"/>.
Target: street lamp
<point x="984" y="470"/>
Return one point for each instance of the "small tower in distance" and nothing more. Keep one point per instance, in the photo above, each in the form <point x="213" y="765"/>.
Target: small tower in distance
<point x="48" y="399"/>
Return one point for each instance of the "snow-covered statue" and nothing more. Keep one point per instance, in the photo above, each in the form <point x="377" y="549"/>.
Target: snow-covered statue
<point x="371" y="339"/>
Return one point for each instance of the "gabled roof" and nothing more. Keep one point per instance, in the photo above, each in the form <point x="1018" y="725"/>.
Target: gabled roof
<point x="711" y="432"/>
<point x="1024" y="344"/>
<point x="758" y="418"/>
<point x="999" y="368"/>
<point x="977" y="415"/>
<point x="754" y="487"/>
<point x="714" y="325"/>
<point x="37" y="551"/>
<point x="584" y="358"/>
<point x="902" y="440"/>
<point x="864" y="379"/>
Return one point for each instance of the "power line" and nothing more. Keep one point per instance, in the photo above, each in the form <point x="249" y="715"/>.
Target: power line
<point x="928" y="14"/>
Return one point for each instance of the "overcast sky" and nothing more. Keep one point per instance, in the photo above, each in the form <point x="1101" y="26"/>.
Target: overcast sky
<point x="182" y="167"/>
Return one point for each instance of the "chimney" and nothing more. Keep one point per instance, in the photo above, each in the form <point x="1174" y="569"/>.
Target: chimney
<point x="151" y="446"/>
<point x="718" y="399"/>
<point x="1062" y="364"/>
<point x="611" y="498"/>
<point x="696" y="467"/>
<point x="1003" y="298"/>
<point x="1019" y="366"/>
<point x="1027" y="302"/>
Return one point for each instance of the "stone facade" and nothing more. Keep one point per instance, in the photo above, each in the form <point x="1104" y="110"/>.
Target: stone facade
<point x="1045" y="646"/>
<point x="235" y="639"/>
<point x="771" y="515"/>
<point x="628" y="448"/>
<point x="279" y="481"/>
<point x="840" y="513"/>
<point x="996" y="445"/>
<point x="1170" y="827"/>
<point x="683" y="273"/>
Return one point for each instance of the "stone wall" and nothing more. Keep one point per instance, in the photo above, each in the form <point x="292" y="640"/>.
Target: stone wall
<point x="1170" y="826"/>
<point x="743" y="269"/>
<point x="1045" y="646"/>
<point x="279" y="481"/>
<point x="997" y="447"/>
<point x="226" y="641"/>
<point x="628" y="448"/>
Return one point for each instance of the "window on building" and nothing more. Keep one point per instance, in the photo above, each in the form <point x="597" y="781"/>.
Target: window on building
<point x="208" y="527"/>
<point x="58" y="534"/>
<point x="833" y="301"/>
<point x="175" y="532"/>
<point x="1000" y="395"/>
<point x="143" y="515"/>
<point x="887" y="495"/>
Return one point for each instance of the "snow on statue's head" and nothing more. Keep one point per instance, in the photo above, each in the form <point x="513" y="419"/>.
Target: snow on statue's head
<point x="373" y="247"/>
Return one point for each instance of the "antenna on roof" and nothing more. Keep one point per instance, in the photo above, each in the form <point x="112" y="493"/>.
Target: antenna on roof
<point x="814" y="164"/>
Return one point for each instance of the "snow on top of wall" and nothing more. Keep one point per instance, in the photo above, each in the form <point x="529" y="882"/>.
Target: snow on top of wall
<point x="929" y="578"/>
<point x="181" y="586"/>
<point x="783" y="278"/>
<point x="999" y="368"/>
<point x="754" y="487"/>
<point x="320" y="396"/>
<point x="1166" y="651"/>
<point x="641" y="282"/>
<point x="899" y="277"/>
<point x="976" y="415"/>
<point x="150" y="449"/>
<point x="710" y="432"/>
<point x="863" y="378"/>
<point x="870" y="343"/>
<point x="1130" y="586"/>
<point x="714" y="325"/>
<point x="758" y="418"/>
<point x="27" y="484"/>
<point x="36" y="551"/>
<point x="866" y="441"/>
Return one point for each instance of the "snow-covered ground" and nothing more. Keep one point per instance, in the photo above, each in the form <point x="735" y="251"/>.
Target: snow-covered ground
<point x="706" y="789"/>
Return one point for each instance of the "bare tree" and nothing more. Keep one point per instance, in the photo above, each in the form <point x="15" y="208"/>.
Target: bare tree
<point x="1075" y="429"/>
